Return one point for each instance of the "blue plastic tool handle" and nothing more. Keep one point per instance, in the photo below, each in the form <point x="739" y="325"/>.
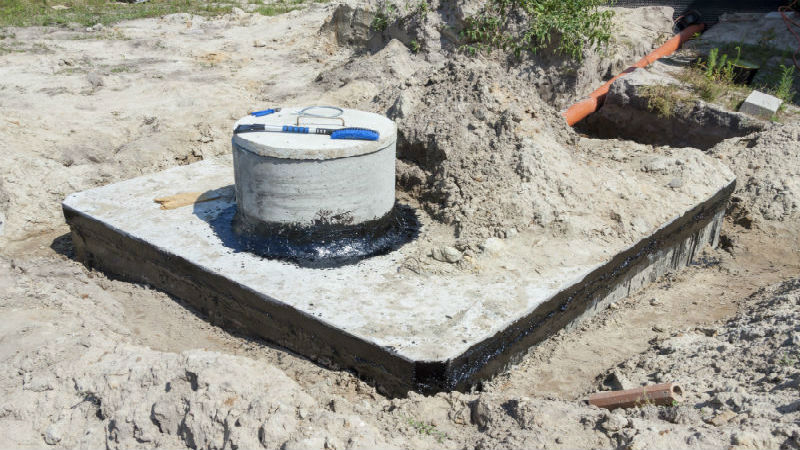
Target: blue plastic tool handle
<point x="363" y="134"/>
<point x="265" y="112"/>
<point x="292" y="129"/>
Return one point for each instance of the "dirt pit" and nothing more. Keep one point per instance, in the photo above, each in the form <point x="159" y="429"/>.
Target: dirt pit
<point x="94" y="362"/>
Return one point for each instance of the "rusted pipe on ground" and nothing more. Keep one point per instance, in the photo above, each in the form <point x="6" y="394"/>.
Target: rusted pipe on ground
<point x="583" y="108"/>
<point x="657" y="394"/>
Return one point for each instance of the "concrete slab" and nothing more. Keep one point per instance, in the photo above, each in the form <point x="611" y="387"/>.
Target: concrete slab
<point x="400" y="329"/>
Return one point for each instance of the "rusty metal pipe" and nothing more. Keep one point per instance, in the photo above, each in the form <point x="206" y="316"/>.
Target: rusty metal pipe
<point x="657" y="394"/>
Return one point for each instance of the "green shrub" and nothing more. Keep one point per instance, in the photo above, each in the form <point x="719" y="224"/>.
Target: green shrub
<point x="383" y="17"/>
<point x="423" y="8"/>
<point x="784" y="90"/>
<point x="720" y="68"/>
<point x="568" y="26"/>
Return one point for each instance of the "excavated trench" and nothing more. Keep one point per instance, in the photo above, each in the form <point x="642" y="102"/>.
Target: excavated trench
<point x="628" y="113"/>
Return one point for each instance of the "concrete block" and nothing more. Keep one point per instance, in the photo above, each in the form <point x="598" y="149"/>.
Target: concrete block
<point x="400" y="329"/>
<point x="761" y="105"/>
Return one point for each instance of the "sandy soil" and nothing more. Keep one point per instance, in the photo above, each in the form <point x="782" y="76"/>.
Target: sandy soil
<point x="89" y="361"/>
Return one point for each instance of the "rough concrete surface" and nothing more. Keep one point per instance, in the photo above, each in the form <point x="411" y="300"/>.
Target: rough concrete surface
<point x="287" y="178"/>
<point x="96" y="362"/>
<point x="761" y="105"/>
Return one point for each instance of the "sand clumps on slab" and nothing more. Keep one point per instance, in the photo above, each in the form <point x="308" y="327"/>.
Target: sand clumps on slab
<point x="481" y="152"/>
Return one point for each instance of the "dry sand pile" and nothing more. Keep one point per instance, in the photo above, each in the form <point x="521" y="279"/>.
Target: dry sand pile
<point x="480" y="151"/>
<point x="742" y="377"/>
<point x="97" y="386"/>
<point x="767" y="167"/>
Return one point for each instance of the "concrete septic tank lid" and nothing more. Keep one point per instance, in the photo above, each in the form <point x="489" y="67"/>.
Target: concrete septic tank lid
<point x="314" y="146"/>
<point x="313" y="199"/>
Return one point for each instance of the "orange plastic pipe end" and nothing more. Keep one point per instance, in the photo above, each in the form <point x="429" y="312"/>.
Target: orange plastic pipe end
<point x="580" y="110"/>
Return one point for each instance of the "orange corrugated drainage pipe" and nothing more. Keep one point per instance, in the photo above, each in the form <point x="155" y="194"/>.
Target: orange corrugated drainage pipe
<point x="583" y="108"/>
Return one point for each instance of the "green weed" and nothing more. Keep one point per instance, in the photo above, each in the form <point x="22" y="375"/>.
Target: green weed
<point x="386" y="13"/>
<point x="4" y="49"/>
<point x="566" y="26"/>
<point x="428" y="429"/>
<point x="713" y="90"/>
<point x="423" y="8"/>
<point x="414" y="46"/>
<point x="663" y="99"/>
<point x="274" y="9"/>
<point x="122" y="69"/>
<point x="720" y="68"/>
<point x="788" y="359"/>
<point x="784" y="90"/>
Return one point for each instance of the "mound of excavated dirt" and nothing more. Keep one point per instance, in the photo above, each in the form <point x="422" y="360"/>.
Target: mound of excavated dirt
<point x="767" y="167"/>
<point x="90" y="362"/>
<point x="77" y="375"/>
<point x="432" y="32"/>
<point x="480" y="151"/>
<point x="93" y="387"/>
<point x="745" y="373"/>
<point x="481" y="145"/>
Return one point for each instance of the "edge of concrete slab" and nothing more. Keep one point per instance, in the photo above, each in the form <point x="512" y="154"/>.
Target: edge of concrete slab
<point x="238" y="308"/>
<point x="671" y="247"/>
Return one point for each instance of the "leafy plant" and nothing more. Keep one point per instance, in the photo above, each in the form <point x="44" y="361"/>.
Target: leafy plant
<point x="565" y="26"/>
<point x="784" y="90"/>
<point x="720" y="68"/>
<point x="428" y="429"/>
<point x="414" y="46"/>
<point x="423" y="8"/>
<point x="384" y="15"/>
<point x="712" y="62"/>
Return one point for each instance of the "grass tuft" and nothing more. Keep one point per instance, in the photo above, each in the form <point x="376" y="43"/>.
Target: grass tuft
<point x="663" y="99"/>
<point x="22" y="13"/>
<point x="386" y="13"/>
<point x="274" y="9"/>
